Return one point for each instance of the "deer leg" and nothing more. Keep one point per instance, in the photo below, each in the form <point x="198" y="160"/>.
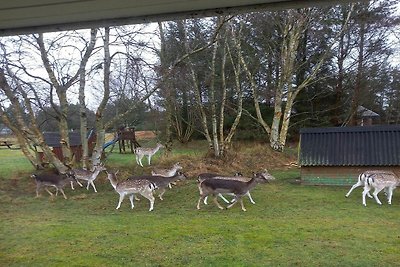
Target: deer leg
<point x="205" y="200"/>
<point x="161" y="193"/>
<point x="48" y="191"/>
<point x="217" y="203"/>
<point x="137" y="198"/>
<point x="88" y="183"/>
<point x="233" y="203"/>
<point x="359" y="183"/>
<point x="149" y="159"/>
<point x="131" y="199"/>
<point x="389" y="195"/>
<point x="241" y="203"/>
<point x="121" y="198"/>
<point x="375" y="194"/>
<point x="94" y="187"/>
<point x="364" y="193"/>
<point x="72" y="185"/>
<point x="150" y="197"/>
<point x="251" y="199"/>
<point x="386" y="191"/>
<point x="202" y="198"/>
<point x="77" y="181"/>
<point x="62" y="192"/>
<point x="223" y="198"/>
<point x="140" y="161"/>
<point x="37" y="190"/>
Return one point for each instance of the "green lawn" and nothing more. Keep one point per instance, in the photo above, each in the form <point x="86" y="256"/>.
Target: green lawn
<point x="289" y="225"/>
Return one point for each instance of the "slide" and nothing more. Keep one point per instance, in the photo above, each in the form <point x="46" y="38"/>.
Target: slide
<point x="110" y="143"/>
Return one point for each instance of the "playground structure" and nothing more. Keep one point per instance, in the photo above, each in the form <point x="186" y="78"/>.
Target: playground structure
<point x="127" y="135"/>
<point x="124" y="136"/>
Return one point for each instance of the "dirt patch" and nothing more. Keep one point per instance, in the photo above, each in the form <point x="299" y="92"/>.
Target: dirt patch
<point x="140" y="135"/>
<point x="244" y="158"/>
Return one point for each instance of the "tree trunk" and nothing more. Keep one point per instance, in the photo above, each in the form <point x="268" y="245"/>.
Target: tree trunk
<point x="100" y="129"/>
<point x="228" y="139"/>
<point x="355" y="101"/>
<point x="22" y="130"/>
<point x="82" y="103"/>
<point x="167" y="89"/>
<point x="214" y="104"/>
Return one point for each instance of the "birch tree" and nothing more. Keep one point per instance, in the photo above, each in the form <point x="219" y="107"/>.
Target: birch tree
<point x="292" y="25"/>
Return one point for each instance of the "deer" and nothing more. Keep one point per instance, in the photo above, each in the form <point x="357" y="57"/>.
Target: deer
<point x="161" y="182"/>
<point x="167" y="172"/>
<point x="149" y="152"/>
<point x="361" y="180"/>
<point x="89" y="176"/>
<point x="385" y="180"/>
<point x="202" y="176"/>
<point x="217" y="185"/>
<point x="237" y="176"/>
<point x="132" y="187"/>
<point x="55" y="180"/>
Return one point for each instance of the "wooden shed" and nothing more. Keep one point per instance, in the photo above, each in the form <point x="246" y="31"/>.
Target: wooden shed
<point x="337" y="155"/>
<point x="52" y="139"/>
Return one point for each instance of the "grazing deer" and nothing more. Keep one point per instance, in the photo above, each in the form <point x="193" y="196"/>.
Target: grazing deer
<point x="149" y="152"/>
<point x="132" y="187"/>
<point x="167" y="172"/>
<point x="238" y="188"/>
<point x="89" y="176"/>
<point x="161" y="182"/>
<point x="55" y="180"/>
<point x="385" y="180"/>
<point x="361" y="181"/>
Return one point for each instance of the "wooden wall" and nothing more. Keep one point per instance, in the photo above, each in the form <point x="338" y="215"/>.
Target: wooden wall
<point x="340" y="175"/>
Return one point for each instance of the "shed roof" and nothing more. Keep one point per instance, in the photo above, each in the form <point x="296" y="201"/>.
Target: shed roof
<point x="350" y="146"/>
<point x="364" y="112"/>
<point x="52" y="139"/>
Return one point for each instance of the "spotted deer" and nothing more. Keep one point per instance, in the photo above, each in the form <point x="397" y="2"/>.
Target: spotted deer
<point x="132" y="187"/>
<point x="361" y="180"/>
<point x="140" y="152"/>
<point x="386" y="180"/>
<point x="89" y="176"/>
<point x="167" y="172"/>
<point x="161" y="182"/>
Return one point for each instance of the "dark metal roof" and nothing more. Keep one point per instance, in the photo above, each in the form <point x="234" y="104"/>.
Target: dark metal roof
<point x="350" y="146"/>
<point x="52" y="139"/>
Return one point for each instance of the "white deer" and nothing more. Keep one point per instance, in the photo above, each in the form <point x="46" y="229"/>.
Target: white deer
<point x="132" y="187"/>
<point x="149" y="152"/>
<point x="387" y="181"/>
<point x="361" y="180"/>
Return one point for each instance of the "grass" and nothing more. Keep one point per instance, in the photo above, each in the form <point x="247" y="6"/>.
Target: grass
<point x="290" y="225"/>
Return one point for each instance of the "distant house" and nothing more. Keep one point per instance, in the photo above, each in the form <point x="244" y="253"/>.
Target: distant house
<point x="53" y="139"/>
<point x="366" y="117"/>
<point x="5" y="130"/>
<point x="337" y="155"/>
